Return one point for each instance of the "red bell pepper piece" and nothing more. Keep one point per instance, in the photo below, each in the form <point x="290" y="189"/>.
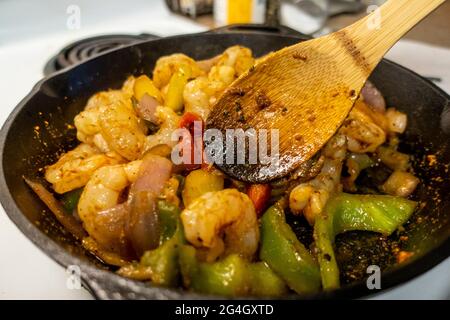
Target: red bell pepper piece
<point x="260" y="195"/>
<point x="190" y="121"/>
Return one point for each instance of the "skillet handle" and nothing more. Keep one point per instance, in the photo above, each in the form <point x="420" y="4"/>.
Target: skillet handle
<point x="259" y="28"/>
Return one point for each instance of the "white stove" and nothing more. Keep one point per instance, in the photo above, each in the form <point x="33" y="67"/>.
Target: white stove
<point x="31" y="32"/>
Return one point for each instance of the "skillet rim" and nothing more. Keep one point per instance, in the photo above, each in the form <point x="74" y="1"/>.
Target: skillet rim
<point x="92" y="276"/>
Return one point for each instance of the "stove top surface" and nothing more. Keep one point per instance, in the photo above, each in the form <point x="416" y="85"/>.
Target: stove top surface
<point x="86" y="48"/>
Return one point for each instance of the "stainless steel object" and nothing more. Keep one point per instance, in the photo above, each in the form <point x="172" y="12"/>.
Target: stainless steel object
<point x="310" y="16"/>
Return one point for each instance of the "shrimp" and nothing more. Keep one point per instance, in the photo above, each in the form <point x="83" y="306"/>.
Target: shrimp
<point x="87" y="121"/>
<point x="223" y="75"/>
<point x="102" y="192"/>
<point x="74" y="169"/>
<point x="126" y="226"/>
<point x="105" y="98"/>
<point x="222" y="222"/>
<point x="128" y="86"/>
<point x="168" y="121"/>
<point x="200" y="94"/>
<point x="238" y="57"/>
<point x="122" y="130"/>
<point x="166" y="66"/>
<point x="364" y="132"/>
<point x="311" y="197"/>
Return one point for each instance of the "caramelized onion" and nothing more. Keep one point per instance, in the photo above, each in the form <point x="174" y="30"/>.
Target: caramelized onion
<point x="110" y="230"/>
<point x="373" y="97"/>
<point x="143" y="224"/>
<point x="400" y="184"/>
<point x="393" y="159"/>
<point x="146" y="108"/>
<point x="67" y="220"/>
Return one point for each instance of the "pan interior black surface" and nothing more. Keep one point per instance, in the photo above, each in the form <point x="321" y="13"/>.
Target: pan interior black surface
<point x="41" y="127"/>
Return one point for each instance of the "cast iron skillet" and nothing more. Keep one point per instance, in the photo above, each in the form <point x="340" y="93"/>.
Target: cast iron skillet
<point x="54" y="101"/>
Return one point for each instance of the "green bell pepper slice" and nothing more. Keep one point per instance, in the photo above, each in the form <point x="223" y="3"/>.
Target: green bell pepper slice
<point x="265" y="282"/>
<point x="231" y="276"/>
<point x="70" y="199"/>
<point x="160" y="265"/>
<point x="169" y="221"/>
<point x="286" y="255"/>
<point x="163" y="261"/>
<point x="346" y="212"/>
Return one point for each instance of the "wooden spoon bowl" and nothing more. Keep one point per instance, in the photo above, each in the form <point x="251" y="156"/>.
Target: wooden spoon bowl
<point x="304" y="92"/>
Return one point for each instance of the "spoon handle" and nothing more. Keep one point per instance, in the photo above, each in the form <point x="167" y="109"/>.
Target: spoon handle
<point x="375" y="34"/>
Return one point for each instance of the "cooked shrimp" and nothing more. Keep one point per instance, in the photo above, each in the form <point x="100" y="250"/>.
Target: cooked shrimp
<point x="103" y="189"/>
<point x="99" y="141"/>
<point x="74" y="169"/>
<point x="102" y="192"/>
<point x="397" y="120"/>
<point x="311" y="197"/>
<point x="222" y="222"/>
<point x="128" y="86"/>
<point x="200" y="94"/>
<point x="363" y="134"/>
<point x="87" y="121"/>
<point x="166" y="66"/>
<point x="238" y="57"/>
<point x="225" y="75"/>
<point x="127" y="227"/>
<point x="122" y="130"/>
<point x="168" y="121"/>
<point x="377" y="117"/>
<point x="105" y="98"/>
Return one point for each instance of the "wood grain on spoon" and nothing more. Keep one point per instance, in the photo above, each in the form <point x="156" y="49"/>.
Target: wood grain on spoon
<point x="307" y="90"/>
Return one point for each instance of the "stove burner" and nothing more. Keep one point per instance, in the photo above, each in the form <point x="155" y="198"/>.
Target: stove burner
<point x="90" y="47"/>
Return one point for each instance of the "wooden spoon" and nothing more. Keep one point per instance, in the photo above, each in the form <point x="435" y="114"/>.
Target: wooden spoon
<point x="307" y="90"/>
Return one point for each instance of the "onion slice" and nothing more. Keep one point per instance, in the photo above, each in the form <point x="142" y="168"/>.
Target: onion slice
<point x="373" y="97"/>
<point x="110" y="230"/>
<point x="143" y="223"/>
<point x="400" y="184"/>
<point x="146" y="108"/>
<point x="67" y="220"/>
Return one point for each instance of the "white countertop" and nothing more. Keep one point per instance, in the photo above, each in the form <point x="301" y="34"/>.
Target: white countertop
<point x="27" y="43"/>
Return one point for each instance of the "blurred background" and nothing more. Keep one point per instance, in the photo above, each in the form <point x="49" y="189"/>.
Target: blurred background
<point x="40" y="37"/>
<point x="21" y="19"/>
